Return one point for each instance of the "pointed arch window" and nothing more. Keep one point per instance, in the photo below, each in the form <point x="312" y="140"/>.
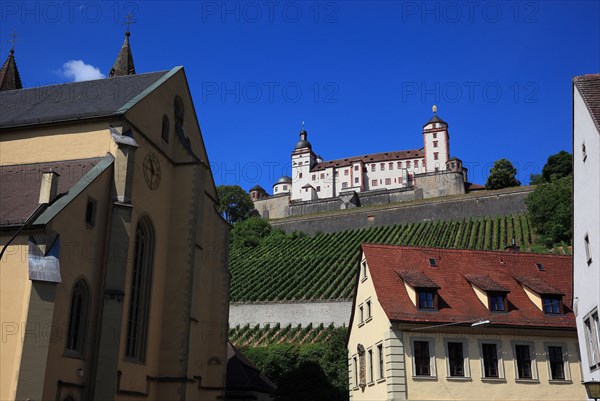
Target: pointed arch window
<point x="140" y="290"/>
<point x="78" y="318"/>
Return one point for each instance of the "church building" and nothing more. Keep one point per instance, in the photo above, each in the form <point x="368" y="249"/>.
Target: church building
<point x="113" y="267"/>
<point x="356" y="179"/>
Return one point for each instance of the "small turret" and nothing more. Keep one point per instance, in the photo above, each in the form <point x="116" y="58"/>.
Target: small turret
<point x="124" y="63"/>
<point x="9" y="73"/>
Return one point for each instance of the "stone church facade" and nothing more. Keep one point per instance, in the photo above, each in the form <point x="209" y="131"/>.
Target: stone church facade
<point x="379" y="178"/>
<point x="113" y="279"/>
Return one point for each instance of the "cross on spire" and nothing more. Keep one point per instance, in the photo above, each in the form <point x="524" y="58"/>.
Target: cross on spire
<point x="12" y="40"/>
<point x="128" y="20"/>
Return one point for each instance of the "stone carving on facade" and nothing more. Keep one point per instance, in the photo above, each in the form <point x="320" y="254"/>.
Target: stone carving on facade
<point x="362" y="373"/>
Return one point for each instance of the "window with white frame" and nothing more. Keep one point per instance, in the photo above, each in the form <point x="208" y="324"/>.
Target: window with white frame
<point x="368" y="304"/>
<point x="388" y="181"/>
<point x="525" y="363"/>
<point x="370" y="356"/>
<point x="457" y="361"/>
<point x="588" y="251"/>
<point x="583" y="151"/>
<point x="592" y="340"/>
<point x="423" y="357"/>
<point x="558" y="365"/>
<point x="492" y="366"/>
<point x="380" y="370"/>
<point x="363" y="267"/>
<point x="373" y="167"/>
<point x="355" y="372"/>
<point x="361" y="313"/>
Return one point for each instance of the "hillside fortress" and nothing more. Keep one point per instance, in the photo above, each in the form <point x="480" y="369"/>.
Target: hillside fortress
<point x="379" y="178"/>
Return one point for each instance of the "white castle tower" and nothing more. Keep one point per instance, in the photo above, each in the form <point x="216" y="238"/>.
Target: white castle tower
<point x="436" y="143"/>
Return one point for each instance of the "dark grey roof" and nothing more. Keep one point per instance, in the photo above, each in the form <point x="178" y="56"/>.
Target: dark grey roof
<point x="9" y="74"/>
<point x="72" y="101"/>
<point x="589" y="88"/>
<point x="435" y="119"/>
<point x="124" y="63"/>
<point x="303" y="144"/>
<point x="257" y="188"/>
<point x="284" y="180"/>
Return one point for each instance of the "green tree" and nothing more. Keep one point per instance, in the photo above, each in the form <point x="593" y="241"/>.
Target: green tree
<point x="250" y="232"/>
<point x="235" y="203"/>
<point x="550" y="207"/>
<point x="536" y="179"/>
<point x="502" y="175"/>
<point x="558" y="166"/>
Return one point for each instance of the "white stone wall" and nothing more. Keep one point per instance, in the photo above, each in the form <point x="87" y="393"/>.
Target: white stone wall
<point x="301" y="163"/>
<point x="440" y="135"/>
<point x="398" y="177"/>
<point x="586" y="220"/>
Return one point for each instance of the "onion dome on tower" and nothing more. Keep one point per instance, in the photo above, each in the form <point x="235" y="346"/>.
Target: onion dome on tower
<point x="303" y="142"/>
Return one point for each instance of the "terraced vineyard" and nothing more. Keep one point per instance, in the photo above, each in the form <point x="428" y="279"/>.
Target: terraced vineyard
<point x="255" y="336"/>
<point x="322" y="267"/>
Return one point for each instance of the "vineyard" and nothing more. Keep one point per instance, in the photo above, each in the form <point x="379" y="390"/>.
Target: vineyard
<point x="256" y="336"/>
<point x="323" y="266"/>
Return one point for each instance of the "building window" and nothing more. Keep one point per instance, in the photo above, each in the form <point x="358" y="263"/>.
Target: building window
<point x="552" y="304"/>
<point x="346" y="172"/>
<point x="557" y="363"/>
<point x="435" y="144"/>
<point x="356" y="167"/>
<point x="583" y="151"/>
<point x="382" y="166"/>
<point x="337" y="173"/>
<point x="285" y="187"/>
<point x="427" y="299"/>
<point x="275" y="189"/>
<point x="361" y="312"/>
<point x="435" y="135"/>
<point x="388" y="181"/>
<point x="374" y="183"/>
<point x="140" y="292"/>
<point x="400" y="179"/>
<point x="90" y="212"/>
<point x="422" y="358"/>
<point x="523" y="360"/>
<point x="592" y="339"/>
<point x="380" y="360"/>
<point x="318" y="188"/>
<point x="356" y="180"/>
<point x="399" y="165"/>
<point x="408" y="164"/>
<point x="372" y="167"/>
<point x="355" y="372"/>
<point x="490" y="360"/>
<point x="416" y="164"/>
<point x="314" y="177"/>
<point x="370" y="366"/>
<point x="368" y="303"/>
<point x="497" y="302"/>
<point x="391" y="165"/>
<point x="78" y="318"/>
<point x="588" y="251"/>
<point x="299" y="175"/>
<point x="344" y="185"/>
<point x="437" y="169"/>
<point x="435" y="156"/>
<point x="456" y="360"/>
<point x="364" y="269"/>
<point x="322" y="175"/>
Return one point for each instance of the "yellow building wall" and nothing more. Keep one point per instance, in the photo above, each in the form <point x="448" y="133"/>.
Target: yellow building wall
<point x="475" y="388"/>
<point x="14" y="298"/>
<point x="369" y="334"/>
<point x="534" y="297"/>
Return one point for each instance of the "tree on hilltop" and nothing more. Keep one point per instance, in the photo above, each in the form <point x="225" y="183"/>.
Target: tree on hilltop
<point x="235" y="203"/>
<point x="502" y="175"/>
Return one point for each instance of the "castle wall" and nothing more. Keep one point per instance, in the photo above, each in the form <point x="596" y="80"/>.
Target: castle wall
<point x="477" y="204"/>
<point x="276" y="207"/>
<point x="440" y="184"/>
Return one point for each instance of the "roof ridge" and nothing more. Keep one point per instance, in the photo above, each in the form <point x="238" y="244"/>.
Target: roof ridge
<point x="463" y="250"/>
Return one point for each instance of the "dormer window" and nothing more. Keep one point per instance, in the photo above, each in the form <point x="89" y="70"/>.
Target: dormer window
<point x="432" y="262"/>
<point x="427" y="298"/>
<point x="497" y="302"/>
<point x="552" y="304"/>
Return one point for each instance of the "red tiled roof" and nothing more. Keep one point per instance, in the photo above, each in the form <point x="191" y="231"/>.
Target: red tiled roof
<point x="589" y="88"/>
<point x="485" y="283"/>
<point x="458" y="301"/>
<point x="20" y="185"/>
<point x="372" y="158"/>
<point x="417" y="279"/>
<point x="538" y="285"/>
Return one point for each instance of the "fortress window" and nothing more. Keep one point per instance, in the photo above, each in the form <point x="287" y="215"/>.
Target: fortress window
<point x="318" y="188"/>
<point x="400" y="179"/>
<point x="356" y="167"/>
<point x="322" y="175"/>
<point x="344" y="185"/>
<point x="285" y="187"/>
<point x="435" y="144"/>
<point x="346" y="172"/>
<point x="299" y="175"/>
<point x="388" y="181"/>
<point x="314" y="177"/>
<point x="408" y="164"/>
<point x="382" y="167"/>
<point x="435" y="135"/>
<point x="391" y="165"/>
<point x="372" y="167"/>
<point x="435" y="155"/>
<point x="416" y="164"/>
<point x="356" y="180"/>
<point x="374" y="183"/>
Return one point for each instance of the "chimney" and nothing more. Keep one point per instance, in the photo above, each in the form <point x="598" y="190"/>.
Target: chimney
<point x="513" y="247"/>
<point x="48" y="187"/>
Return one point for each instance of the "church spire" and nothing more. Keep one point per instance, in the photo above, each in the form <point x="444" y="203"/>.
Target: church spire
<point x="9" y="73"/>
<point x="124" y="63"/>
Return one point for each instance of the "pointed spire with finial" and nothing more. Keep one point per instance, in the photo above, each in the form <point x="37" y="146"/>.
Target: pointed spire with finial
<point x="9" y="73"/>
<point x="124" y="63"/>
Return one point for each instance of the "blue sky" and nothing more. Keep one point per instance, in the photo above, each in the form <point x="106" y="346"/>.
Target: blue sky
<point x="362" y="75"/>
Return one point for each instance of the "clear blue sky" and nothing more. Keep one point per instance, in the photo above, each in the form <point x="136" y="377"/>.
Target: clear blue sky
<point x="362" y="75"/>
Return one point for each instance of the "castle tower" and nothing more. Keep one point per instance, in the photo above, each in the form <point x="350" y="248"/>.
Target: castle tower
<point x="303" y="158"/>
<point x="9" y="73"/>
<point x="124" y="63"/>
<point x="436" y="143"/>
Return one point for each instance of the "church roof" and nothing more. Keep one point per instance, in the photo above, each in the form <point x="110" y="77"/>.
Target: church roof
<point x="589" y="88"/>
<point x="9" y="74"/>
<point x="371" y="158"/>
<point x="284" y="180"/>
<point x="21" y="186"/>
<point x="124" y="63"/>
<point x="76" y="101"/>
